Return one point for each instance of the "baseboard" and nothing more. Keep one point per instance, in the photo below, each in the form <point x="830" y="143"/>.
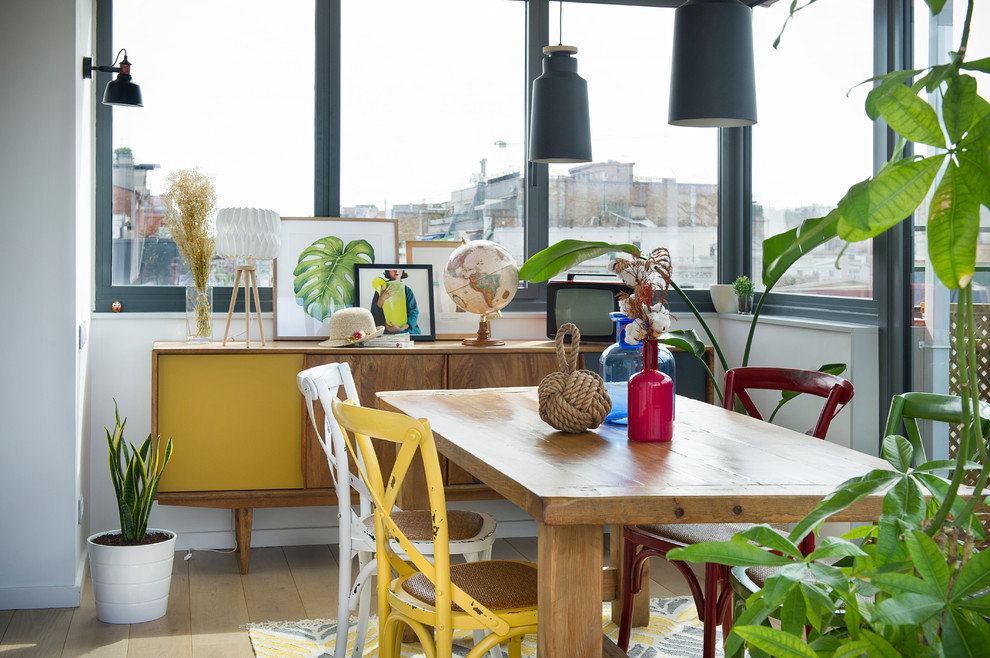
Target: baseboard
<point x="26" y="598"/>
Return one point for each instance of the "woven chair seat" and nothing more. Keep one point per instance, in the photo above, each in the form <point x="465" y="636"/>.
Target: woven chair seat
<point x="495" y="584"/>
<point x="694" y="533"/>
<point x="418" y="526"/>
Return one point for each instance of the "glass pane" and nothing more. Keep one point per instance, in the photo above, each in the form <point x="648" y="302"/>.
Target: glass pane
<point x="650" y="184"/>
<point x="812" y="141"/>
<point x="934" y="304"/>
<point x="433" y="117"/>
<point x="228" y="90"/>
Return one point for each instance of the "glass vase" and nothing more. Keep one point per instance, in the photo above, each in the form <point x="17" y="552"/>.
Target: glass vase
<point x="620" y="361"/>
<point x="199" y="314"/>
<point x="651" y="400"/>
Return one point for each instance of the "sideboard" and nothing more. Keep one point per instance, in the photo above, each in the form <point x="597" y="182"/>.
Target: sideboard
<point x="240" y="429"/>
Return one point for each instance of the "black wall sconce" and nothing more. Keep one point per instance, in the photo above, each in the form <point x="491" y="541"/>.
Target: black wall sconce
<point x="120" y="90"/>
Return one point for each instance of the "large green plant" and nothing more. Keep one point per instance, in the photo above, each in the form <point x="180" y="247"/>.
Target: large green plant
<point x="324" y="274"/>
<point x="135" y="474"/>
<point x="913" y="584"/>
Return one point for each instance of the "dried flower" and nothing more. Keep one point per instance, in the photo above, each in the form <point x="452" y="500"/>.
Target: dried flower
<point x="189" y="204"/>
<point x="649" y="277"/>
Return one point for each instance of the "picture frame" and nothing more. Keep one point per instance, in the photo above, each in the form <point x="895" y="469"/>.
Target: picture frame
<point x="373" y="283"/>
<point x="452" y="323"/>
<point x="304" y="314"/>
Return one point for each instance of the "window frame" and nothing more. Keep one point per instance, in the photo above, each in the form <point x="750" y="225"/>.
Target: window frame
<point x="734" y="179"/>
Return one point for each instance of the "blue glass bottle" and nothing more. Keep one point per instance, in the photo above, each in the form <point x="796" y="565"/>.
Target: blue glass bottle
<point x="622" y="360"/>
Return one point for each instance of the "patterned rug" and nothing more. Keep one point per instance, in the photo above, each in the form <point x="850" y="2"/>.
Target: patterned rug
<point x="674" y="632"/>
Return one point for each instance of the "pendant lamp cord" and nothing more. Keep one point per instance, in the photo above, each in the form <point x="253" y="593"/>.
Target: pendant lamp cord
<point x="560" y="24"/>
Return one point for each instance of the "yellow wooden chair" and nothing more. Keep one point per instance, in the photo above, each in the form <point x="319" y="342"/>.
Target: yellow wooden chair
<point x="495" y="596"/>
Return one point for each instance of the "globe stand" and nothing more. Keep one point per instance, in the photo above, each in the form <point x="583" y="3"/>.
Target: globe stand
<point x="484" y="338"/>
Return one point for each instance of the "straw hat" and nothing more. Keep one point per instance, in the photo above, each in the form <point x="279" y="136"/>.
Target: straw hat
<point x="350" y="326"/>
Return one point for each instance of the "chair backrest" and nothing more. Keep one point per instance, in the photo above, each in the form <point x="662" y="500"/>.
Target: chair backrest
<point x="836" y="390"/>
<point x="323" y="384"/>
<point x="913" y="406"/>
<point x="412" y="437"/>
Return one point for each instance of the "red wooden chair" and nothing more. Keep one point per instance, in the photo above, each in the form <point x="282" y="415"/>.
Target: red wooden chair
<point x="642" y="542"/>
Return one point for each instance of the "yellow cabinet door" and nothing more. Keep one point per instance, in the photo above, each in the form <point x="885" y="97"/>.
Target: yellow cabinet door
<point x="234" y="420"/>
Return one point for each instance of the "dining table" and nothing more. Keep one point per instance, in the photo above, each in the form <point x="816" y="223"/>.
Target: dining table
<point x="720" y="466"/>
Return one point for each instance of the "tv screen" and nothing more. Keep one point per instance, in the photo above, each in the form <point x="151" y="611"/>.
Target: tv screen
<point x="587" y="305"/>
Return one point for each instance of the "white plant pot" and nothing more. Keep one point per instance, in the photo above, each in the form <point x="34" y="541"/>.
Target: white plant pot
<point x="723" y="297"/>
<point x="131" y="583"/>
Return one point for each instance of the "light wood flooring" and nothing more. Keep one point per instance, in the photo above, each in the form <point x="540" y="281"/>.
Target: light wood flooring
<point x="210" y="601"/>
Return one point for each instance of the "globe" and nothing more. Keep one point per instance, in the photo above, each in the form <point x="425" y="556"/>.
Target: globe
<point x="481" y="277"/>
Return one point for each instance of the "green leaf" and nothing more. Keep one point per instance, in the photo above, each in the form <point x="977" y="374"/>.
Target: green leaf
<point x="324" y="275"/>
<point x="905" y="501"/>
<point x="978" y="138"/>
<point x="928" y="560"/>
<point x="852" y="649"/>
<point x="953" y="226"/>
<point x="731" y="553"/>
<point x="979" y="604"/>
<point x="566" y="254"/>
<point x="976" y="64"/>
<point x="844" y="495"/>
<point x="775" y="642"/>
<point x="940" y="464"/>
<point x="959" y="106"/>
<point x="910" y="116"/>
<point x="784" y="249"/>
<point x="907" y="609"/>
<point x="964" y="636"/>
<point x="836" y="547"/>
<point x="772" y="539"/>
<point x="939" y="488"/>
<point x="974" y="168"/>
<point x="684" y="339"/>
<point x="900" y="583"/>
<point x="935" y="6"/>
<point x="783" y="581"/>
<point x="872" y="206"/>
<point x="878" y="645"/>
<point x="830" y="575"/>
<point x="756" y="613"/>
<point x="898" y="452"/>
<point x="792" y="614"/>
<point x="973" y="577"/>
<point x="888" y="82"/>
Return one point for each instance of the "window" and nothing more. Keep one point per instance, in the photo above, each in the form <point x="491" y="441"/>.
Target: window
<point x="426" y="123"/>
<point x="236" y="102"/>
<point x="433" y="117"/>
<point x="812" y="141"/>
<point x="650" y="184"/>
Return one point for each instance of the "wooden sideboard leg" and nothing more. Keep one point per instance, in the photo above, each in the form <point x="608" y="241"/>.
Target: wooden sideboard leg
<point x="243" y="518"/>
<point x="641" y="602"/>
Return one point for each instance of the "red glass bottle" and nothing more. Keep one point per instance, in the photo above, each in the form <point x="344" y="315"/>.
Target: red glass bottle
<point x="651" y="400"/>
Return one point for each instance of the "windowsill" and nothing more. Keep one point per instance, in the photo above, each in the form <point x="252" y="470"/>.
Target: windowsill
<point x="802" y="323"/>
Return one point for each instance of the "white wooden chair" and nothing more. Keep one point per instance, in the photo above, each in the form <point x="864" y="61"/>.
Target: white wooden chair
<point x="472" y="533"/>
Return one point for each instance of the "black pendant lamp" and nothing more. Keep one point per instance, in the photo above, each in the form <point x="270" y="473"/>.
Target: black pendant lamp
<point x="560" y="123"/>
<point x="120" y="90"/>
<point x="712" y="79"/>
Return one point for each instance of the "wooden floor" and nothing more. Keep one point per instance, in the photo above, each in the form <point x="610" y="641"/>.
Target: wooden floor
<point x="210" y="601"/>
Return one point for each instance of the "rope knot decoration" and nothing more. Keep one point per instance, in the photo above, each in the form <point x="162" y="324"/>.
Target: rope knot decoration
<point x="572" y="400"/>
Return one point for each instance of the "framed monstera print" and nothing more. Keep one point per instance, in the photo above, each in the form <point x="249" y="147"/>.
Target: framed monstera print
<point x="314" y="270"/>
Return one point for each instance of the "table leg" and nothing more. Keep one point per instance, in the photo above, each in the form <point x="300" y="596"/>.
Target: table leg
<point x="243" y="518"/>
<point x="641" y="601"/>
<point x="570" y="582"/>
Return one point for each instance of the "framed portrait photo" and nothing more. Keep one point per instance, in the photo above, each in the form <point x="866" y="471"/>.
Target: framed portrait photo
<point x="452" y="322"/>
<point x="400" y="298"/>
<point x="314" y="271"/>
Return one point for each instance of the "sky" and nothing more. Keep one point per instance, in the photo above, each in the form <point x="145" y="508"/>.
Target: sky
<point x="438" y="86"/>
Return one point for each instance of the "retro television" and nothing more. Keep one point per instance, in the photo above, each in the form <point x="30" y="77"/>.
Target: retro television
<point x="586" y="304"/>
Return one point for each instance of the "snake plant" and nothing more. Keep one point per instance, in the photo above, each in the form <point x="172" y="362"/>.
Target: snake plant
<point x="135" y="474"/>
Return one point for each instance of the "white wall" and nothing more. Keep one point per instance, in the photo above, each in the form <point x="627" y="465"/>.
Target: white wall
<point x="126" y="340"/>
<point x="45" y="151"/>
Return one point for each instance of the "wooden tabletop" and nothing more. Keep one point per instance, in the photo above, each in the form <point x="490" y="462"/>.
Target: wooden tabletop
<point x="720" y="466"/>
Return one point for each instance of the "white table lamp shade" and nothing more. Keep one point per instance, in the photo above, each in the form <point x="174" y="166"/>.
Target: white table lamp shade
<point x="248" y="233"/>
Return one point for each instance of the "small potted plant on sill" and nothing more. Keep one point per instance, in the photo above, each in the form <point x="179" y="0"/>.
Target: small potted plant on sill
<point x="131" y="567"/>
<point x="744" y="289"/>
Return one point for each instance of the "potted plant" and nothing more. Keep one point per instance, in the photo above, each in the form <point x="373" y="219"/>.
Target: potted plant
<point x="744" y="289"/>
<point x="131" y="567"/>
<point x="913" y="584"/>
